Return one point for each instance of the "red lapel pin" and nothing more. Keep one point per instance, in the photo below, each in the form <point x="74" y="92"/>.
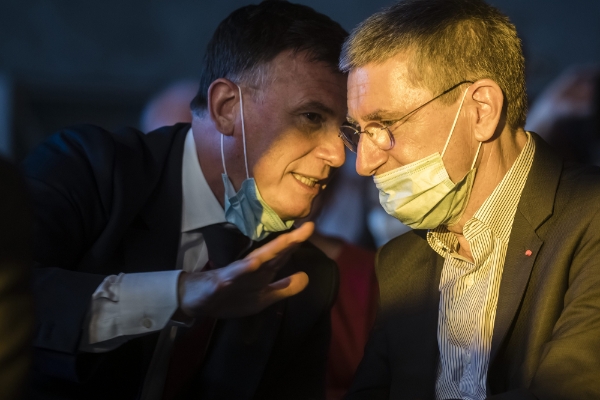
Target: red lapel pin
<point x="528" y="253"/>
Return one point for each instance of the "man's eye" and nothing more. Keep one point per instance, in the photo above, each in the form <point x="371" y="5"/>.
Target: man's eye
<point x="313" y="117"/>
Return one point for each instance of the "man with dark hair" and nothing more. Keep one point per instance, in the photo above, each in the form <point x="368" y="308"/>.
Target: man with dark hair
<point x="154" y="278"/>
<point x="496" y="292"/>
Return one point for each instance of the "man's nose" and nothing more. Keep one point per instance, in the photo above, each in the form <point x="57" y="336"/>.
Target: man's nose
<point x="369" y="157"/>
<point x="332" y="150"/>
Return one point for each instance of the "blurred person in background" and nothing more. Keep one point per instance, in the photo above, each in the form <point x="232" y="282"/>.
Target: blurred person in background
<point x="16" y="302"/>
<point x="169" y="106"/>
<point x="496" y="293"/>
<point x="567" y="114"/>
<point x="161" y="267"/>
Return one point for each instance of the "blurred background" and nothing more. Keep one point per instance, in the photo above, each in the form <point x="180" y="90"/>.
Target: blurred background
<point x="135" y="63"/>
<point x="65" y="62"/>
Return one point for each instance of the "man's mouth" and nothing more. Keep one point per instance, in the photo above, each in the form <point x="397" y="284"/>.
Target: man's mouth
<point x="307" y="180"/>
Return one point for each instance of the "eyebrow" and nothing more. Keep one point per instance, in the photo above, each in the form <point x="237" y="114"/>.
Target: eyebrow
<point x="316" y="105"/>
<point x="381" y="115"/>
<point x="378" y="115"/>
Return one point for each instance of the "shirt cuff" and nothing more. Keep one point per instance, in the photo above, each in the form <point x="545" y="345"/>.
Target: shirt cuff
<point x="133" y="304"/>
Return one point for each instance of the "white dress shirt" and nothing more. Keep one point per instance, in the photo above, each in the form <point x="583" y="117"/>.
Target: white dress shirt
<point x="125" y="306"/>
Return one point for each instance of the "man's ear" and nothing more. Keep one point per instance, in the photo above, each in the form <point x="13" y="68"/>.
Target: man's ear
<point x="488" y="102"/>
<point x="223" y="105"/>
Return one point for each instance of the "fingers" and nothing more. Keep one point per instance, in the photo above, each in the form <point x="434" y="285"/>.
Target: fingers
<point x="273" y="254"/>
<point x="237" y="269"/>
<point x="282" y="243"/>
<point x="286" y="287"/>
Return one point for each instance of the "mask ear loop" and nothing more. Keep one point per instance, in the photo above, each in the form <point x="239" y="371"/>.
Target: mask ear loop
<point x="454" y="123"/>
<point x="243" y="137"/>
<point x="223" y="156"/>
<point x="243" y="131"/>
<point x="476" y="155"/>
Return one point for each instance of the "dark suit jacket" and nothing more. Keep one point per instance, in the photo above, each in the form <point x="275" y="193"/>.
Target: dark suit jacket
<point x="107" y="203"/>
<point x="546" y="339"/>
<point x="16" y="302"/>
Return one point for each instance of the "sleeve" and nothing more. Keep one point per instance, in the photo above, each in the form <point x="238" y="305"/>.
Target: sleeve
<point x="125" y="306"/>
<point x="71" y="180"/>
<point x="70" y="213"/>
<point x="570" y="362"/>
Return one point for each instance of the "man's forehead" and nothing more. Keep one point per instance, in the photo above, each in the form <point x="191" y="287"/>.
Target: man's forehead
<point x="301" y="82"/>
<point x="291" y="64"/>
<point x="380" y="91"/>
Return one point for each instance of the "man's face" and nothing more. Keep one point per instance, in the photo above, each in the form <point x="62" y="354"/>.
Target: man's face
<point x="292" y="124"/>
<point x="385" y="92"/>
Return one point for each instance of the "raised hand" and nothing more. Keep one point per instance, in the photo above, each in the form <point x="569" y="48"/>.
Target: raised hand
<point x="244" y="287"/>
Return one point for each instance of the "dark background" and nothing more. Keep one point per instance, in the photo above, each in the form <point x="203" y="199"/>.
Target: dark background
<point x="69" y="61"/>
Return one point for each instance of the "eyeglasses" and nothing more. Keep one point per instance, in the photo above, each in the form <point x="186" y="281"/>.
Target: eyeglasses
<point x="380" y="132"/>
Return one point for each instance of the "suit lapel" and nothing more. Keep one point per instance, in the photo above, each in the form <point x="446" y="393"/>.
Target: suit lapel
<point x="225" y="244"/>
<point x="535" y="207"/>
<point x="515" y="276"/>
<point x="249" y="341"/>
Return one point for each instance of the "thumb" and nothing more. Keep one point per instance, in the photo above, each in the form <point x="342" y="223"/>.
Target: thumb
<point x="287" y="287"/>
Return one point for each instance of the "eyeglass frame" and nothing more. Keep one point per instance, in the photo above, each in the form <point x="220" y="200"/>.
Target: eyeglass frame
<point x="342" y="136"/>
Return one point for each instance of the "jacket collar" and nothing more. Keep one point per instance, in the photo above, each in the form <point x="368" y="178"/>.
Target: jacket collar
<point x="537" y="199"/>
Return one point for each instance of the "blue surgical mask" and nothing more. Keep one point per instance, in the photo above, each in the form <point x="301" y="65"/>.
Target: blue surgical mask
<point x="246" y="209"/>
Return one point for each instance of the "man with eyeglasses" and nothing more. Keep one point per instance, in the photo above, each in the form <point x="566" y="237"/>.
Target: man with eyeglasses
<point x="166" y="268"/>
<point x="496" y="292"/>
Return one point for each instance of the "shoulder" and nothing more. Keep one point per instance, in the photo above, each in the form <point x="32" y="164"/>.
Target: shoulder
<point x="578" y="192"/>
<point x="407" y="270"/>
<point x="96" y="143"/>
<point x="89" y="152"/>
<point x="409" y="248"/>
<point x="582" y="180"/>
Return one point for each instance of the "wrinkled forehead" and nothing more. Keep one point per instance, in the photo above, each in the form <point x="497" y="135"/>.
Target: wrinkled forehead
<point x="295" y="80"/>
<point x="382" y="88"/>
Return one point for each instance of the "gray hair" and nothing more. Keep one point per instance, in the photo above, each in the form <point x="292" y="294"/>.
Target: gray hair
<point x="448" y="41"/>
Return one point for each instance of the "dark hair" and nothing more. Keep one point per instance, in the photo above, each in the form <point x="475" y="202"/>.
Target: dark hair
<point x="252" y="36"/>
<point x="448" y="41"/>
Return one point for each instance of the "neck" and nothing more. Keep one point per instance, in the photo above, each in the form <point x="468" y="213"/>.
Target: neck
<point x="495" y="159"/>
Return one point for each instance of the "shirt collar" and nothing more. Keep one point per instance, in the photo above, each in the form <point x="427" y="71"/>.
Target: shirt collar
<point x="200" y="207"/>
<point x="497" y="211"/>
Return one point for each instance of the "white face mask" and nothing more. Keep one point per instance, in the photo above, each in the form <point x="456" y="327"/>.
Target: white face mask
<point x="421" y="194"/>
<point x="246" y="209"/>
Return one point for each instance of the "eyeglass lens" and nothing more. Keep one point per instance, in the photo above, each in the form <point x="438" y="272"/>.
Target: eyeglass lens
<point x="377" y="133"/>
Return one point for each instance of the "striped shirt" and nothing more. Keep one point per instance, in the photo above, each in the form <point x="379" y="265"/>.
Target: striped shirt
<point x="469" y="290"/>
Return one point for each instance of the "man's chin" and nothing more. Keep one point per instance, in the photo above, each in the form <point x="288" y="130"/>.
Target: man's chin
<point x="293" y="214"/>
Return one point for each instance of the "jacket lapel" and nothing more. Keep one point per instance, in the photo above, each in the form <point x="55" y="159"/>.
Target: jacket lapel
<point x="249" y="340"/>
<point x="225" y="244"/>
<point x="535" y="207"/>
